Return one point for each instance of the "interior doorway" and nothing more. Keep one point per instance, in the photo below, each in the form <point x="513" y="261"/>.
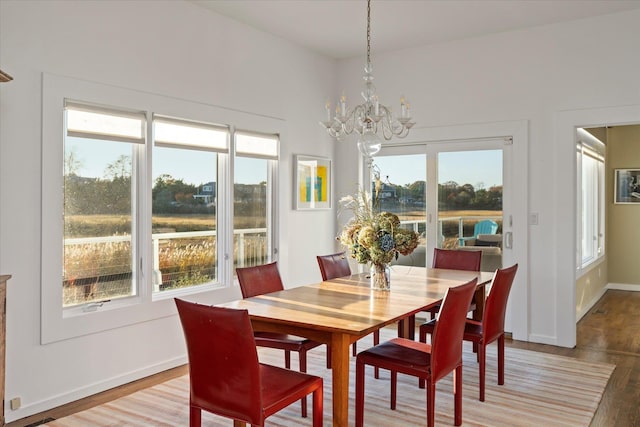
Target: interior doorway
<point x="566" y="274"/>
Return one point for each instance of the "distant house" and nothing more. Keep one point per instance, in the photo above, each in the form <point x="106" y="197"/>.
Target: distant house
<point x="206" y="193"/>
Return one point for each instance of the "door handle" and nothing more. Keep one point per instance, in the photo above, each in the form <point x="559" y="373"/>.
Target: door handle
<point x="508" y="240"/>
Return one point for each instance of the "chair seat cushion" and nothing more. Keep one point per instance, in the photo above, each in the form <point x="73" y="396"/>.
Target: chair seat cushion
<point x="282" y="386"/>
<point x="399" y="354"/>
<point x="472" y="331"/>
<point x="276" y="340"/>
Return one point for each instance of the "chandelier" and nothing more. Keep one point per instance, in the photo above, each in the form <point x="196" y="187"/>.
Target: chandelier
<point x="370" y="119"/>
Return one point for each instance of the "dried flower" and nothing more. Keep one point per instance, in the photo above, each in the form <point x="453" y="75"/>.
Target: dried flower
<point x="374" y="237"/>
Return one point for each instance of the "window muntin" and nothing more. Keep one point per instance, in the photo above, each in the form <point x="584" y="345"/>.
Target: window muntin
<point x="98" y="209"/>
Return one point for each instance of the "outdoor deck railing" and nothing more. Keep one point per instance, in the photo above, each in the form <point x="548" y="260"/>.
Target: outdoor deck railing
<point x="250" y="248"/>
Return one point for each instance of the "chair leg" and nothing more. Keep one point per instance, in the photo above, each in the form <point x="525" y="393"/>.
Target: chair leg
<point x="482" y="356"/>
<point x="501" y="360"/>
<point x="328" y="356"/>
<point x="303" y="368"/>
<point x="422" y="338"/>
<point x="287" y="359"/>
<point x="431" y="403"/>
<point x="359" y="393"/>
<point x="457" y="392"/>
<point x="354" y="349"/>
<point x="376" y="341"/>
<point x="195" y="416"/>
<point x="394" y="389"/>
<point x="317" y="407"/>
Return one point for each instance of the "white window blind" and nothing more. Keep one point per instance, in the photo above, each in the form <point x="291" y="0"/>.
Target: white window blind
<point x="89" y="121"/>
<point x="178" y="133"/>
<point x="251" y="144"/>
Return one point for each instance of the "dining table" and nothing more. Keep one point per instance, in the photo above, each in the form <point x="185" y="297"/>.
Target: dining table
<point x="340" y="311"/>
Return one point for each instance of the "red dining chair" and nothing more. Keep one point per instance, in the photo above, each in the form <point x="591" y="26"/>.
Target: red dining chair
<point x="225" y="375"/>
<point x="429" y="363"/>
<point x="455" y="260"/>
<point x="451" y="260"/>
<point x="264" y="279"/>
<point x="491" y="328"/>
<point x="337" y="265"/>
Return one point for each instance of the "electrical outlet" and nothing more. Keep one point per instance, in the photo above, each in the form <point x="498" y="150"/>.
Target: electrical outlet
<point x="15" y="403"/>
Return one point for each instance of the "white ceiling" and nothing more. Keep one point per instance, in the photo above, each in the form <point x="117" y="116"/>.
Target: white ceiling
<point x="337" y="28"/>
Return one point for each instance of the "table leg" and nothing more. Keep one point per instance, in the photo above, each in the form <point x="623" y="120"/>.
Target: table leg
<point x="237" y="423"/>
<point x="340" y="379"/>
<point x="407" y="327"/>
<point x="479" y="299"/>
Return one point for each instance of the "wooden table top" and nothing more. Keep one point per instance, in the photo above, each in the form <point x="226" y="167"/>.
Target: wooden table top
<point x="348" y="305"/>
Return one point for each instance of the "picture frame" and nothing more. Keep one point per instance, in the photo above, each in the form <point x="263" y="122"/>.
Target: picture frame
<point x="312" y="182"/>
<point x="627" y="186"/>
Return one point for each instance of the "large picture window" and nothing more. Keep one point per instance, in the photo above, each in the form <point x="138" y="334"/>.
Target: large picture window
<point x="146" y="198"/>
<point x="184" y="202"/>
<point x="253" y="205"/>
<point x="99" y="207"/>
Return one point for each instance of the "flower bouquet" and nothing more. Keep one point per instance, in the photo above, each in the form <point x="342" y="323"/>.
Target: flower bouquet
<point x="375" y="238"/>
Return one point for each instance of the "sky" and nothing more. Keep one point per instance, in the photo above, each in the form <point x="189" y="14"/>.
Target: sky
<point x="196" y="167"/>
<point x="193" y="167"/>
<point x="464" y="167"/>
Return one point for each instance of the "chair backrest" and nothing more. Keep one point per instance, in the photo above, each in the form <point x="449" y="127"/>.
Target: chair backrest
<point x="259" y="280"/>
<point x="334" y="265"/>
<point x="224" y="371"/>
<point x="496" y="304"/>
<point x="446" y="341"/>
<point x="457" y="260"/>
<point x="486" y="226"/>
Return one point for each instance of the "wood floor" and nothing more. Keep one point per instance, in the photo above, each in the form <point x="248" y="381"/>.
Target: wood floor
<point x="610" y="332"/>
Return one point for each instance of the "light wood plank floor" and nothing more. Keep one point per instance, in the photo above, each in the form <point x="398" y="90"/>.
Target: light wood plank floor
<point x="608" y="333"/>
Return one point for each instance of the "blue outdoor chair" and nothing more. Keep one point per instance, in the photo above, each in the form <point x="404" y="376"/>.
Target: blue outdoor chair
<point x="486" y="226"/>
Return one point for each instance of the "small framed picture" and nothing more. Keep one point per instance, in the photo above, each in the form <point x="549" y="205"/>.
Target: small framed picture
<point x="312" y="183"/>
<point x="627" y="186"/>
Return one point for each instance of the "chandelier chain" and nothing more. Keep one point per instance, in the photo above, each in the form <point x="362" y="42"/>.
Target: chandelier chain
<point x="368" y="31"/>
<point x="372" y="120"/>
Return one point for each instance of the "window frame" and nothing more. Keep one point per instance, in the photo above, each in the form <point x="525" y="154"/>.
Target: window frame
<point x="56" y="324"/>
<point x="589" y="147"/>
<point x="271" y="196"/>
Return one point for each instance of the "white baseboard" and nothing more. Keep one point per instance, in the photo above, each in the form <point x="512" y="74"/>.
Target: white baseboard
<point x="543" y="339"/>
<point x="623" y="287"/>
<point x="91" y="389"/>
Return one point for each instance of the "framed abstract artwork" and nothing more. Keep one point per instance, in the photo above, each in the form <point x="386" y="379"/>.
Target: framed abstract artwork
<point x="627" y="186"/>
<point x="312" y="182"/>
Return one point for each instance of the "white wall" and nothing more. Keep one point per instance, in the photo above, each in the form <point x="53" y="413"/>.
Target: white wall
<point x="178" y="49"/>
<point x="170" y="48"/>
<point x="531" y="75"/>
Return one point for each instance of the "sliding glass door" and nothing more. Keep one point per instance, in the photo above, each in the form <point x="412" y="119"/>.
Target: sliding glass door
<point x="450" y="192"/>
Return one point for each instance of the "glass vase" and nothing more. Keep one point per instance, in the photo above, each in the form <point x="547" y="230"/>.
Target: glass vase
<point x="380" y="277"/>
